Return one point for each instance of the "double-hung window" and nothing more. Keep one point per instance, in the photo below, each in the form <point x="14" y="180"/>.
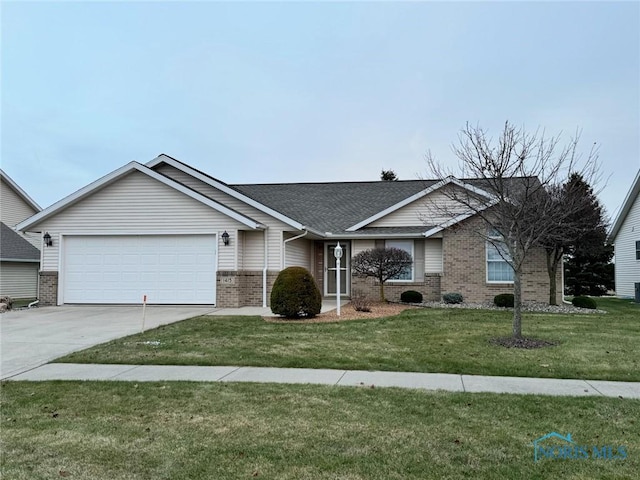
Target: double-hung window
<point x="498" y="268"/>
<point x="407" y="246"/>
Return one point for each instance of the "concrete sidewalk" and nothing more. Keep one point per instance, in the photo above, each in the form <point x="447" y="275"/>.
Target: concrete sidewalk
<point x="425" y="381"/>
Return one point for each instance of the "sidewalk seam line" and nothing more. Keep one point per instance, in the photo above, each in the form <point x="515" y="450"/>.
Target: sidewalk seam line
<point x="344" y="372"/>
<point x="133" y="367"/>
<point x="464" y="389"/>
<point x="587" y="382"/>
<point x="225" y="376"/>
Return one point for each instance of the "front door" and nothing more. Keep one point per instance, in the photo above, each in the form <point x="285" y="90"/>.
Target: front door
<point x="331" y="268"/>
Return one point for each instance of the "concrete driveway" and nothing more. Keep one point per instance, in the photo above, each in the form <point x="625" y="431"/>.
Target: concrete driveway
<point x="30" y="338"/>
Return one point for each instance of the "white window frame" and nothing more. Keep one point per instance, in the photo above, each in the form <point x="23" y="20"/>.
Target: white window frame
<point x="489" y="246"/>
<point x="411" y="245"/>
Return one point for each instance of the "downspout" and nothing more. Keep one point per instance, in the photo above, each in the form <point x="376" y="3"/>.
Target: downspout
<point x="264" y="270"/>
<point x="284" y="253"/>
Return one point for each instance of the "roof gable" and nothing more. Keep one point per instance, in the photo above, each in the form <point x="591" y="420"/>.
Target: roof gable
<point x="222" y="186"/>
<point x="423" y="193"/>
<point x="115" y="176"/>
<point x="21" y="193"/>
<point x="632" y="196"/>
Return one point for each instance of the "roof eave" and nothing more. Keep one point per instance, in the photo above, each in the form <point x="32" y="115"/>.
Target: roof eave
<point x="119" y="173"/>
<point x="30" y="201"/>
<point x="220" y="185"/>
<point x="632" y="196"/>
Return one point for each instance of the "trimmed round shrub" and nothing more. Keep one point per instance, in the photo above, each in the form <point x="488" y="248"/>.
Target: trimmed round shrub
<point x="411" y="296"/>
<point x="584" y="302"/>
<point x="503" y="300"/>
<point x="452" y="298"/>
<point x="295" y="294"/>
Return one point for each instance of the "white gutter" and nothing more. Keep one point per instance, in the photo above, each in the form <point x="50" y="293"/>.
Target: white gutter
<point x="284" y="248"/>
<point x="264" y="270"/>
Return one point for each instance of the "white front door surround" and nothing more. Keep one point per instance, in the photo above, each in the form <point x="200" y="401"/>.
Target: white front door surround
<point x="330" y="268"/>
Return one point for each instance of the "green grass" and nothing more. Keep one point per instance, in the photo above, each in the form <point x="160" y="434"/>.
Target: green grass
<point x="180" y="430"/>
<point x="595" y="346"/>
<point x="22" y="302"/>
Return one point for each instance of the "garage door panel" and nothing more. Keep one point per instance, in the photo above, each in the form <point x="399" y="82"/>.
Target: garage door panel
<point x="178" y="269"/>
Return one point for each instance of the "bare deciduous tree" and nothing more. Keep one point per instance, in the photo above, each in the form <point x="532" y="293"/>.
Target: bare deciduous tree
<point x="382" y="264"/>
<point x="513" y="176"/>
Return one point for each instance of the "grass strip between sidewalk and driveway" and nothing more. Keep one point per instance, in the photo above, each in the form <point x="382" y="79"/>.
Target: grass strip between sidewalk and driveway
<point x="181" y="430"/>
<point x="589" y="346"/>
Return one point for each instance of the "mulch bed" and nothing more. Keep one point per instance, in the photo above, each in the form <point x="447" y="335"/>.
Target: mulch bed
<point x="378" y="310"/>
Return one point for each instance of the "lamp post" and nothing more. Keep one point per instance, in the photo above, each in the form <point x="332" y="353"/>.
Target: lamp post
<point x="337" y="252"/>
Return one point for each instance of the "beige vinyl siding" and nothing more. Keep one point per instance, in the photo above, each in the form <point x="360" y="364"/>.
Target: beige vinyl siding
<point x="627" y="267"/>
<point x="275" y="227"/>
<point x="431" y="210"/>
<point x="19" y="279"/>
<point x="418" y="260"/>
<point x="13" y="210"/>
<point x="433" y="255"/>
<point x="298" y="252"/>
<point x="49" y="255"/>
<point x="252" y="251"/>
<point x="358" y="246"/>
<point x="138" y="204"/>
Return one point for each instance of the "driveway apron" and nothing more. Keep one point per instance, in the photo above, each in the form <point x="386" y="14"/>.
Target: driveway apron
<point x="30" y="338"/>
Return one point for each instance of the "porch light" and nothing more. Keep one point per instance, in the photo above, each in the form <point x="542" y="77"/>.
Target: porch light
<point x="47" y="239"/>
<point x="337" y="252"/>
<point x="225" y="238"/>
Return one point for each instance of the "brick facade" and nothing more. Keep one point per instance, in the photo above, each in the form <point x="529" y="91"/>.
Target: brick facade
<point x="429" y="287"/>
<point x="242" y="288"/>
<point x="48" y="289"/>
<point x="465" y="269"/>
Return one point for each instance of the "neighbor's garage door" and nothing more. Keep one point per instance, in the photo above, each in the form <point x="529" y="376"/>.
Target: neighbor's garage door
<point x="170" y="269"/>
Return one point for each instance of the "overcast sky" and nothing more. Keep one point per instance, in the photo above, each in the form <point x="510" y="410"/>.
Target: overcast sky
<point x="302" y="91"/>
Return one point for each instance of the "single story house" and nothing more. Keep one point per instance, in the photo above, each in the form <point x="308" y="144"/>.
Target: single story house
<point x="19" y="254"/>
<point x="625" y="236"/>
<point x="180" y="236"/>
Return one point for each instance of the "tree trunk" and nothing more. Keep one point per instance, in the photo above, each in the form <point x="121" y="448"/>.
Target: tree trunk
<point x="554" y="255"/>
<point x="381" y="291"/>
<point x="517" y="305"/>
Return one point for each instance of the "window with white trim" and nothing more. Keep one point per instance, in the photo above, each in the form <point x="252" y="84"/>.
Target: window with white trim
<point x="407" y="246"/>
<point x="638" y="250"/>
<point x="498" y="268"/>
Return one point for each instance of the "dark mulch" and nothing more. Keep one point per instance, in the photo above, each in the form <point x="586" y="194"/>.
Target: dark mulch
<point x="527" y="343"/>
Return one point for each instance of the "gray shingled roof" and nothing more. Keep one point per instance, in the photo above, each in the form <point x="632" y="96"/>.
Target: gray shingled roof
<point x="332" y="207"/>
<point x="14" y="247"/>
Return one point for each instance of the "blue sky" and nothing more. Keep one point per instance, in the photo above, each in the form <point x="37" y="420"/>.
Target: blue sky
<point x="307" y="91"/>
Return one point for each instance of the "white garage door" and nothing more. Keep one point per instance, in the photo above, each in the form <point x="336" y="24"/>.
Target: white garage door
<point x="169" y="269"/>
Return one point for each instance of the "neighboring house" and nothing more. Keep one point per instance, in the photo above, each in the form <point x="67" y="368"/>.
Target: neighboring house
<point x="178" y="235"/>
<point x="625" y="236"/>
<point x="19" y="254"/>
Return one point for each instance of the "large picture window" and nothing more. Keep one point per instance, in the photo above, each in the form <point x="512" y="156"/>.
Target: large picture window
<point x="407" y="246"/>
<point x="498" y="269"/>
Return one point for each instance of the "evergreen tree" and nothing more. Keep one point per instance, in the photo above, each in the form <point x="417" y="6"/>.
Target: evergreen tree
<point x="575" y="215"/>
<point x="388" y="176"/>
<point x="588" y="270"/>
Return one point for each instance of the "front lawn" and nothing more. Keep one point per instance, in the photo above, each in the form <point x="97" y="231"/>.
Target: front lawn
<point x="180" y="430"/>
<point x="590" y="346"/>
